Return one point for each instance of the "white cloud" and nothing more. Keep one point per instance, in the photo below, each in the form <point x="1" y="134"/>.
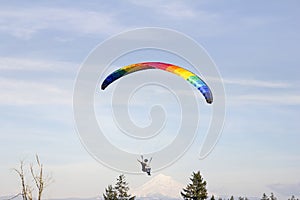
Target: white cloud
<point x="208" y="22"/>
<point x="173" y="9"/>
<point x="257" y="21"/>
<point x="42" y="88"/>
<point x="23" y="23"/>
<point x="246" y="91"/>
<point x="26" y="64"/>
<point x="20" y="92"/>
<point x="286" y="189"/>
<point x="257" y="83"/>
<point x="263" y="92"/>
<point x="266" y="99"/>
<point x="178" y="10"/>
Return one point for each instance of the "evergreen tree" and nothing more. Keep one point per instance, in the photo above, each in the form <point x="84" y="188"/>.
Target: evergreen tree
<point x="195" y="190"/>
<point x="264" y="197"/>
<point x="110" y="193"/>
<point x="293" y="198"/>
<point x="231" y="198"/>
<point x="272" y="197"/>
<point x="122" y="189"/>
<point x="212" y="197"/>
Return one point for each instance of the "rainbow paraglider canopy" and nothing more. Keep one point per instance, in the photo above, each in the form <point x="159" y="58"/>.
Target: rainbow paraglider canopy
<point x="184" y="73"/>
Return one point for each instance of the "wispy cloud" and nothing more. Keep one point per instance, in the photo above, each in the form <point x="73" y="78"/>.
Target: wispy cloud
<point x="257" y="83"/>
<point x="26" y="81"/>
<point x="172" y="9"/>
<point x="209" y="22"/>
<point x="260" y="92"/>
<point x="266" y="99"/>
<point x="286" y="189"/>
<point x="246" y="91"/>
<point x="23" y="23"/>
<point x="22" y="93"/>
<point x="27" y="64"/>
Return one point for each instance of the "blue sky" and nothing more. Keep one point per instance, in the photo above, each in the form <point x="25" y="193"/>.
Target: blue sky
<point x="255" y="45"/>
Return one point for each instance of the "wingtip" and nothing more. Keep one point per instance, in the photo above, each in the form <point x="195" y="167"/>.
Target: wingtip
<point x="209" y="101"/>
<point x="103" y="86"/>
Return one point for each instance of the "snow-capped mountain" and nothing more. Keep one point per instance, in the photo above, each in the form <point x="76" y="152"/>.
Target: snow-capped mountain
<point x="160" y="186"/>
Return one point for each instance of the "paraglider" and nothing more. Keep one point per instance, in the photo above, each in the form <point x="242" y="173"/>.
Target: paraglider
<point x="145" y="165"/>
<point x="187" y="75"/>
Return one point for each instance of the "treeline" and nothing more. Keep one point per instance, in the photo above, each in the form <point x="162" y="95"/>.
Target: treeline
<point x="264" y="197"/>
<point x="195" y="190"/>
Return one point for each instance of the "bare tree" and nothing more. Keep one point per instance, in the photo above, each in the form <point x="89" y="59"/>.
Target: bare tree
<point x="26" y="191"/>
<point x="39" y="179"/>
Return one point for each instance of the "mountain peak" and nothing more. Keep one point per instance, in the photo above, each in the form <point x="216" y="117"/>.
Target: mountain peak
<point x="160" y="186"/>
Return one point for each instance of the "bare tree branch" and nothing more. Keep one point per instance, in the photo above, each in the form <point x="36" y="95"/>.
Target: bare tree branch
<point x="21" y="174"/>
<point x="15" y="196"/>
<point x="40" y="181"/>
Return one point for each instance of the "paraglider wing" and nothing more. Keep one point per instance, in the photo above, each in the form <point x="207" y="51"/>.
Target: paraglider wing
<point x="187" y="75"/>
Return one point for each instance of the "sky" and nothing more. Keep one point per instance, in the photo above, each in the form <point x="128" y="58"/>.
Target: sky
<point x="254" y="44"/>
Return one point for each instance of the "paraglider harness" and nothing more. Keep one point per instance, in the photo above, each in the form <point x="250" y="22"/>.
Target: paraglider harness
<point x="145" y="165"/>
